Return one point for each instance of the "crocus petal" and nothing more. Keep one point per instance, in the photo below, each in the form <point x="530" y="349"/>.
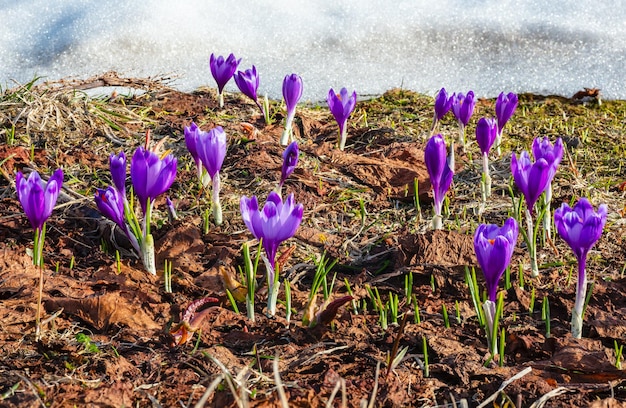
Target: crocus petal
<point x="191" y="139"/>
<point x="111" y="205"/>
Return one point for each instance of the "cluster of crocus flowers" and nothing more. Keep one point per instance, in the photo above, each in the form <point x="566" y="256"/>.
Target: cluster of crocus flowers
<point x="443" y="104"/>
<point x="290" y="161"/>
<point x="440" y="174"/>
<point x="38" y="200"/>
<point x="542" y="148"/>
<point x="505" y="107"/>
<point x="151" y="176"/>
<point x="222" y="71"/>
<point x="341" y="105"/>
<point x="248" y="83"/>
<point x="276" y="222"/>
<point x="292" y="92"/>
<point x="486" y="132"/>
<point x="208" y="150"/>
<point x="580" y="227"/>
<point x="494" y="247"/>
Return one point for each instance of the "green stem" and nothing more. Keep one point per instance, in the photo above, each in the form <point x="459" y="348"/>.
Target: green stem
<point x="215" y="198"/>
<point x="532" y="245"/>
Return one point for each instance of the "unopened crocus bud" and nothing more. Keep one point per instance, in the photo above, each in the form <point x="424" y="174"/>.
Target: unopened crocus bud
<point x="248" y="83"/>
<point x="290" y="161"/>
<point x="151" y="176"/>
<point x="292" y="92"/>
<point x="117" y="166"/>
<point x="222" y="71"/>
<point x="439" y="172"/>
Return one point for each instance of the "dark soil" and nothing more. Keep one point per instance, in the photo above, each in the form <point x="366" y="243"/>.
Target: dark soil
<point x="106" y="340"/>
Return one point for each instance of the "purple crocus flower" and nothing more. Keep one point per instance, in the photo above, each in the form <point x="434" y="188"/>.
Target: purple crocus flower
<point x="117" y="166"/>
<point x="292" y="92"/>
<point x="486" y="132"/>
<point x="542" y="148"/>
<point x="505" y="107"/>
<point x="439" y="171"/>
<point x="211" y="149"/>
<point x="38" y="199"/>
<point x="223" y="69"/>
<point x="275" y="223"/>
<point x="463" y="107"/>
<point x="443" y="104"/>
<point x="151" y="176"/>
<point x="531" y="178"/>
<point x="341" y="106"/>
<point x="290" y="161"/>
<point x="494" y="247"/>
<point x="248" y="83"/>
<point x="580" y="227"/>
<point x="111" y="204"/>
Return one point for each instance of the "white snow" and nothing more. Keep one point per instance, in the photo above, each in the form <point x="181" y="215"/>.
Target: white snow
<point x="546" y="47"/>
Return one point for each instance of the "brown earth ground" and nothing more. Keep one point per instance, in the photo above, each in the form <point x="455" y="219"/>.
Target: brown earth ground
<point x="106" y="341"/>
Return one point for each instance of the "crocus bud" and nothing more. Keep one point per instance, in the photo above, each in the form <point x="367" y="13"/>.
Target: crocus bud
<point x="341" y="106"/>
<point x="292" y="92"/>
<point x="117" y="165"/>
<point x="439" y="171"/>
<point x="542" y="148"/>
<point x="443" y="103"/>
<point x="248" y="83"/>
<point x="290" y="161"/>
<point x="505" y="107"/>
<point x="111" y="204"/>
<point x="211" y="149"/>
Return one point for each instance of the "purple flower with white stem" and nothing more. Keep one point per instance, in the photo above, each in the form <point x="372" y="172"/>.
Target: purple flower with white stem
<point x="292" y="92"/>
<point x="532" y="179"/>
<point x="443" y="104"/>
<point x="440" y="173"/>
<point x="117" y="166"/>
<point x="542" y="148"/>
<point x="222" y="71"/>
<point x="494" y="247"/>
<point x="248" y="83"/>
<point x="211" y="150"/>
<point x="463" y="108"/>
<point x="151" y="176"/>
<point x="290" y="161"/>
<point x="341" y="106"/>
<point x="276" y="222"/>
<point x="38" y="200"/>
<point x="505" y="107"/>
<point x="486" y="131"/>
<point x="580" y="227"/>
